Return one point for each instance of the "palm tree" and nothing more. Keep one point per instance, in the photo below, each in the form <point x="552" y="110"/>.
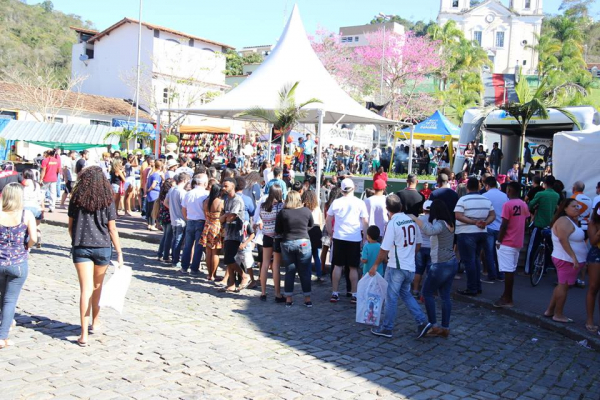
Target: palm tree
<point x="449" y="36"/>
<point x="127" y="135"/>
<point x="548" y="48"/>
<point x="286" y="116"/>
<point x="531" y="104"/>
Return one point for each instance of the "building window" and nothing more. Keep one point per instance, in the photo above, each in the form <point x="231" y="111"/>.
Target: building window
<point x="454" y="3"/>
<point x="191" y="43"/>
<point x="524" y="62"/>
<point x="345" y="39"/>
<point x="166" y="96"/>
<point x="97" y="122"/>
<point x="89" y="53"/>
<point x="527" y="4"/>
<point x="500" y="40"/>
<point x="156" y="33"/>
<point x="59" y="120"/>
<point x="477" y="37"/>
<point x="356" y="38"/>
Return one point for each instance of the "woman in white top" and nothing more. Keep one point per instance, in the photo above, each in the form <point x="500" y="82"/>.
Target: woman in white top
<point x="33" y="199"/>
<point x="568" y="256"/>
<point x="309" y="198"/>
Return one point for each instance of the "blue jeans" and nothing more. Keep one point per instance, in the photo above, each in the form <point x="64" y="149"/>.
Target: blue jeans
<point x="178" y="232"/>
<point x="423" y="260"/>
<point x="12" y="279"/>
<point x="440" y="277"/>
<point x="296" y="256"/>
<point x="164" y="249"/>
<point x="365" y="168"/>
<point x="469" y="247"/>
<point x="316" y="256"/>
<point x="193" y="231"/>
<point x="399" y="281"/>
<point x="490" y="254"/>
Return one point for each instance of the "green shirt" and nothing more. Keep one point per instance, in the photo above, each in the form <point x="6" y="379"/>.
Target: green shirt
<point x="547" y="202"/>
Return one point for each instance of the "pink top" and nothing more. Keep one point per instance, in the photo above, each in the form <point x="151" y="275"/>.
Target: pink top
<point x="515" y="211"/>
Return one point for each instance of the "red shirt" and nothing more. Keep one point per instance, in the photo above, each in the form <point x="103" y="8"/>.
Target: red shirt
<point x="383" y="176"/>
<point x="52" y="166"/>
<point x="426" y="193"/>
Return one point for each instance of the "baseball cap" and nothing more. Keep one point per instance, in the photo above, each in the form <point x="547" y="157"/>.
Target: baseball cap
<point x="379" y="184"/>
<point x="347" y="185"/>
<point x="171" y="163"/>
<point x="427" y="205"/>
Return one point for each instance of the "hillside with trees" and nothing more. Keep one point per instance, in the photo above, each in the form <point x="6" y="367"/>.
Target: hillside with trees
<point x="36" y="34"/>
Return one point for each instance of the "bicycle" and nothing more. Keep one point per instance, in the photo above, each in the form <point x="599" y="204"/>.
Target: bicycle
<point x="539" y="261"/>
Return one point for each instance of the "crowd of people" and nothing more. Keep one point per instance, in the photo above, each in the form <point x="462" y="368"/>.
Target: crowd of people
<point x="266" y="220"/>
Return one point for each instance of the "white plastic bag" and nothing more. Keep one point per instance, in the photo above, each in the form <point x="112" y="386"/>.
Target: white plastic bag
<point x="114" y="291"/>
<point x="370" y="297"/>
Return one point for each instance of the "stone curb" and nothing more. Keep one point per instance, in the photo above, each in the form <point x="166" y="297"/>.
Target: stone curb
<point x="124" y="235"/>
<point x="539" y="320"/>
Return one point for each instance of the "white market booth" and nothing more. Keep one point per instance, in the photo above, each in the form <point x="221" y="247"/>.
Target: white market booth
<point x="576" y="158"/>
<point x="292" y="60"/>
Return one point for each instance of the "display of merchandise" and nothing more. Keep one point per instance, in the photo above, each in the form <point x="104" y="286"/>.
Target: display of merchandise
<point x="215" y="143"/>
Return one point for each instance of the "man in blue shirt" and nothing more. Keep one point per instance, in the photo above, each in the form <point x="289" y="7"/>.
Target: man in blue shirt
<point x="309" y="150"/>
<point x="277" y="171"/>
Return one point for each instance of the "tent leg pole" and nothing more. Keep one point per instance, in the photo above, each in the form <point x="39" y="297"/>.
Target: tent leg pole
<point x="158" y="131"/>
<point x="410" y="149"/>
<point x="320" y="114"/>
<point x="270" y="128"/>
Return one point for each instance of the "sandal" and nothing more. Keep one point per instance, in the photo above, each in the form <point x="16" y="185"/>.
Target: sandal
<point x="567" y="321"/>
<point x="81" y="343"/>
<point x="591" y="328"/>
<point x="6" y="343"/>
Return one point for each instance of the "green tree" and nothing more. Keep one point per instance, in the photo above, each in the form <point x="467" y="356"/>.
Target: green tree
<point x="530" y="104"/>
<point x="127" y="135"/>
<point x="576" y="8"/>
<point x="287" y="115"/>
<point x="233" y="63"/>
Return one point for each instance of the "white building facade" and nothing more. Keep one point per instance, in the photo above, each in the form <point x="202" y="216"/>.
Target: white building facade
<point x="178" y="70"/>
<point x="354" y="36"/>
<point x="506" y="33"/>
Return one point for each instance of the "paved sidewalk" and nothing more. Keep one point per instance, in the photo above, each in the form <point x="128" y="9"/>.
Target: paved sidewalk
<point x="180" y="338"/>
<point x="531" y="302"/>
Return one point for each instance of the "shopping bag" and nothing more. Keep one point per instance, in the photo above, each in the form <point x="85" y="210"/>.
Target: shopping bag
<point x="370" y="296"/>
<point x="114" y="291"/>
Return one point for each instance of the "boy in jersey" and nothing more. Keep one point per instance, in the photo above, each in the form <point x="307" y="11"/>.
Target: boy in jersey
<point x="401" y="241"/>
<point x="510" y="240"/>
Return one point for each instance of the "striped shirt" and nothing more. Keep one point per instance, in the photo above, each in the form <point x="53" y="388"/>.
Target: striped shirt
<point x="268" y="219"/>
<point x="474" y="206"/>
<point x="442" y="241"/>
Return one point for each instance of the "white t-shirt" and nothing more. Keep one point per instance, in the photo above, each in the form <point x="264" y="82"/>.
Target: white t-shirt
<point x="498" y="199"/>
<point x="378" y="214"/>
<point x="348" y="212"/>
<point x="376" y="153"/>
<point x="596" y="201"/>
<point x="186" y="170"/>
<point x="267" y="175"/>
<point x="401" y="238"/>
<point x="474" y="206"/>
<point x="194" y="203"/>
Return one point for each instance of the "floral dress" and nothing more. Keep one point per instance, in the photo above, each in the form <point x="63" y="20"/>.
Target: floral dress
<point x="164" y="216"/>
<point x="211" y="235"/>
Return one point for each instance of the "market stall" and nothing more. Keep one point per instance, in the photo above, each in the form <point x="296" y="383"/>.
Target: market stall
<point x="436" y="128"/>
<point x="208" y="140"/>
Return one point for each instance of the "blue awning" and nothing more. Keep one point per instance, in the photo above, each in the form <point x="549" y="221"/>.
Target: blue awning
<point x="147" y="127"/>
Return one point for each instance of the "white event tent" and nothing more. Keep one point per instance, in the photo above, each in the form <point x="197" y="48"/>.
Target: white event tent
<point x="292" y="60"/>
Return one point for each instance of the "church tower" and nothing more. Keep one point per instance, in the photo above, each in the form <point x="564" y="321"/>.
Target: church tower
<point x="455" y="6"/>
<point x="527" y="7"/>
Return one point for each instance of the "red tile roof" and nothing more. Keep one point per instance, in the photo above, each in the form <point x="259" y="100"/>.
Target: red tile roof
<point x="11" y="97"/>
<point x="152" y="26"/>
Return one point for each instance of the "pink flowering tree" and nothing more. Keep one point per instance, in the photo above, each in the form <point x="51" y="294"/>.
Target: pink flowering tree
<point x="340" y="61"/>
<point x="407" y="61"/>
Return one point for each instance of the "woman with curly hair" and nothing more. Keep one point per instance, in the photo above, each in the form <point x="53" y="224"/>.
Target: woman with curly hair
<point x="92" y="228"/>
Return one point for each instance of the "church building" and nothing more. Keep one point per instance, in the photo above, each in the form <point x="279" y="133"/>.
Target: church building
<point x="506" y="33"/>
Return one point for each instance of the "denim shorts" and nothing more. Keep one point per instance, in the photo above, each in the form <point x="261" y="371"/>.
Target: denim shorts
<point x="269" y="242"/>
<point x="98" y="255"/>
<point x="593" y="256"/>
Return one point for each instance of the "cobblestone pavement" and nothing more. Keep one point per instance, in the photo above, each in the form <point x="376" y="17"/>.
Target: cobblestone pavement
<point x="179" y="338"/>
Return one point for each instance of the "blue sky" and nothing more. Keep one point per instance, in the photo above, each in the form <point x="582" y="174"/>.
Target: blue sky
<point x="252" y="22"/>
